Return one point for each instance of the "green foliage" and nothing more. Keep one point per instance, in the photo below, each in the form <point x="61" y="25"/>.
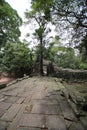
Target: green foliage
<point x="9" y="24"/>
<point x="16" y="58"/>
<point x="71" y="16"/>
<point x="43" y="6"/>
<point x="83" y="66"/>
<point x="83" y="48"/>
<point x="62" y="56"/>
<point x="70" y="11"/>
<point x="67" y="59"/>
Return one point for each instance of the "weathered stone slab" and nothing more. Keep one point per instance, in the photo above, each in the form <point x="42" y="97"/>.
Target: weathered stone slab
<point x="20" y="100"/>
<point x="46" y="109"/>
<point x="4" y="105"/>
<point x="66" y="110"/>
<point x="51" y="109"/>
<point x="3" y="125"/>
<point x="54" y="122"/>
<point x="27" y="99"/>
<point x="68" y="123"/>
<point x="25" y="94"/>
<point x="11" y="99"/>
<point x="44" y="101"/>
<point x="31" y="120"/>
<point x="37" y="109"/>
<point x="28" y="109"/>
<point x="2" y="112"/>
<point x="20" y="92"/>
<point x="76" y="126"/>
<point x="84" y="121"/>
<point x="11" y="113"/>
<point x="27" y="128"/>
<point x="15" y="123"/>
<point x="38" y="96"/>
<point x="10" y="93"/>
<point x="3" y="98"/>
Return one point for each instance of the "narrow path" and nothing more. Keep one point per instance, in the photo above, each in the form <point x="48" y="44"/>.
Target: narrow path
<point x="36" y="104"/>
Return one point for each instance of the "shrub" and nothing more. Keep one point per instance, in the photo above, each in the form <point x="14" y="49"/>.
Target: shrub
<point x="83" y="66"/>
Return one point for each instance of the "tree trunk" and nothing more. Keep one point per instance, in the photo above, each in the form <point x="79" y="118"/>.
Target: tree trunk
<point x="41" y="57"/>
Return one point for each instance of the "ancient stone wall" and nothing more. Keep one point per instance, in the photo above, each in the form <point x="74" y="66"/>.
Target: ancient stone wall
<point x="71" y="74"/>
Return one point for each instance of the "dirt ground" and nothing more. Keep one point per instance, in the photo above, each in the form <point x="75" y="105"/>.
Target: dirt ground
<point x="5" y="79"/>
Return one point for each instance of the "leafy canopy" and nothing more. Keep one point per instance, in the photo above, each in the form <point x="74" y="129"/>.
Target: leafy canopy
<point x="15" y="56"/>
<point x="9" y="24"/>
<point x="71" y="14"/>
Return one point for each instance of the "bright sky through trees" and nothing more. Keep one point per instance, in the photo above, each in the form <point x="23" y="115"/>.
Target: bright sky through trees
<point x="21" y="6"/>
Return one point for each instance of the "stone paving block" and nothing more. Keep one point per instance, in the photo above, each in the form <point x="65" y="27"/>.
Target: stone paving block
<point x="66" y="110"/>
<point x="46" y="109"/>
<point x="54" y="129"/>
<point x="26" y="94"/>
<point x="27" y="99"/>
<point x="44" y="101"/>
<point x="20" y="92"/>
<point x="28" y="128"/>
<point x="14" y="125"/>
<point x="51" y="102"/>
<point x="4" y="105"/>
<point x="1" y="96"/>
<point x="2" y="111"/>
<point x="4" y="98"/>
<point x="11" y="99"/>
<point x="20" y="100"/>
<point x="84" y="121"/>
<point x="68" y="123"/>
<point x="32" y="120"/>
<point x="51" y="109"/>
<point x="37" y="109"/>
<point x="10" y="93"/>
<point x="54" y="97"/>
<point x="14" y="92"/>
<point x="38" y="96"/>
<point x="54" y="122"/>
<point x="11" y="113"/>
<point x="28" y="109"/>
<point x="3" y="125"/>
<point x="76" y="126"/>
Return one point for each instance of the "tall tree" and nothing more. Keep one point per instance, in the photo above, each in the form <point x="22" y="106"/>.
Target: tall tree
<point x="9" y="24"/>
<point x="73" y="14"/>
<point x="41" y="15"/>
<point x="70" y="15"/>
